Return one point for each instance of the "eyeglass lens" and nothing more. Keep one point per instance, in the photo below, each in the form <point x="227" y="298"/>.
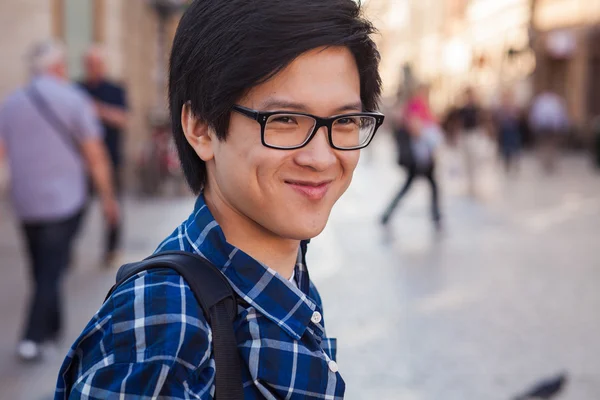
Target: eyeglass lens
<point x="289" y="130"/>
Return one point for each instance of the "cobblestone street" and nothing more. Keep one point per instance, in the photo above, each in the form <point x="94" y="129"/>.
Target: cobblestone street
<point x="507" y="295"/>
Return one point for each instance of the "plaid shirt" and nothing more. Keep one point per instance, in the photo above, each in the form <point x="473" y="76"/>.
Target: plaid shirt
<point x="151" y="339"/>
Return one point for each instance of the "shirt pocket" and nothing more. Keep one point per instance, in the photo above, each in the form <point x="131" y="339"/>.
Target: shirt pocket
<point x="329" y="346"/>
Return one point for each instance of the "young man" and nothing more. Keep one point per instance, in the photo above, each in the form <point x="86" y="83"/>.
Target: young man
<point x="52" y="139"/>
<point x="269" y="104"/>
<point x="111" y="105"/>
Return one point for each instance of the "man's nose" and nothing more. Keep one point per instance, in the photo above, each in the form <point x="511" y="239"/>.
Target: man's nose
<point x="317" y="154"/>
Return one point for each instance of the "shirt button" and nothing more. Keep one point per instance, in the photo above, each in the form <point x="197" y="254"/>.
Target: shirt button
<point x="316" y="317"/>
<point x="333" y="367"/>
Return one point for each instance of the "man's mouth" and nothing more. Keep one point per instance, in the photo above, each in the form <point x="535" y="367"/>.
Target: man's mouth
<point x="313" y="190"/>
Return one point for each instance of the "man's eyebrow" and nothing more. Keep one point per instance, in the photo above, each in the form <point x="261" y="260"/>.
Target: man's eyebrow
<point x="278" y="104"/>
<point x="353" y="107"/>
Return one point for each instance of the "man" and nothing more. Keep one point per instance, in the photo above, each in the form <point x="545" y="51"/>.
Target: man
<point x="506" y="120"/>
<point x="111" y="105"/>
<point x="549" y="121"/>
<point x="51" y="135"/>
<point x="268" y="102"/>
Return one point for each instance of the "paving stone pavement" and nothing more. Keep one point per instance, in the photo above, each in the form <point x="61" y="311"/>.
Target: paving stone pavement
<point x="505" y="296"/>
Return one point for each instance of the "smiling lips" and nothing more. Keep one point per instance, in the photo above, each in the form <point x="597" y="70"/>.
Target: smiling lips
<point x="311" y="190"/>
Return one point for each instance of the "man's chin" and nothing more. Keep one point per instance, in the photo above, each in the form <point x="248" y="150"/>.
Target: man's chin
<point x="304" y="232"/>
<point x="300" y="223"/>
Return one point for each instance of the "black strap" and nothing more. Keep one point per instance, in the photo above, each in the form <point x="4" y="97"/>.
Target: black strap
<point x="44" y="109"/>
<point x="217" y="300"/>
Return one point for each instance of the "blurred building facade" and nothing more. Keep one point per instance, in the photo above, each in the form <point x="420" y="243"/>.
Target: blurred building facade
<point x="452" y="44"/>
<point x="524" y="45"/>
<point x="566" y="41"/>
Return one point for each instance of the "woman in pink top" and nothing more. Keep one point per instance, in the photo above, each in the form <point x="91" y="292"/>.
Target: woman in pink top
<point x="417" y="137"/>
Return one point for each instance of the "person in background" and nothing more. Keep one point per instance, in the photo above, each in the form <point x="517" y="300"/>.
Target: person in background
<point x="451" y="125"/>
<point x="549" y="121"/>
<point x="51" y="136"/>
<point x="506" y="121"/>
<point x="473" y="132"/>
<point x="418" y="137"/>
<point x="110" y="100"/>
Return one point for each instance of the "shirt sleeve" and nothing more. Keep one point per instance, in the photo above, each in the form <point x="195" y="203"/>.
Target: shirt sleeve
<point x="148" y="380"/>
<point x="149" y="339"/>
<point x="87" y="123"/>
<point x="121" y="99"/>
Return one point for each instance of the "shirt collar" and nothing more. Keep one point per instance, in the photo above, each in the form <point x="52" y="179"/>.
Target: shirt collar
<point x="264" y="289"/>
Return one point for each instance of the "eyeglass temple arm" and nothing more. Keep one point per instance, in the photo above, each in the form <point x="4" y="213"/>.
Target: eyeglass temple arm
<point x="247" y="112"/>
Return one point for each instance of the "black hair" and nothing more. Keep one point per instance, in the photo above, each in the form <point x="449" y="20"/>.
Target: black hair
<point x="223" y="48"/>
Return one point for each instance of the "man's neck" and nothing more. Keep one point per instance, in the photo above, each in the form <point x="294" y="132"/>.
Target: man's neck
<point x="93" y="82"/>
<point x="53" y="75"/>
<point x="275" y="252"/>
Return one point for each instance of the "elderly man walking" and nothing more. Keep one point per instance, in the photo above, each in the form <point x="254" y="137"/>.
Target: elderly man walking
<point x="51" y="137"/>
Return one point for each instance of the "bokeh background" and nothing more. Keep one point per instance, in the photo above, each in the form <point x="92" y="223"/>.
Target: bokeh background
<point x="504" y="297"/>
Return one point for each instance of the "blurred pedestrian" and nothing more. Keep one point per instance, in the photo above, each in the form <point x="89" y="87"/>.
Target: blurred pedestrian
<point x="51" y="137"/>
<point x="506" y="121"/>
<point x="451" y="125"/>
<point x="110" y="100"/>
<point x="473" y="137"/>
<point x="549" y="121"/>
<point x="418" y="137"/>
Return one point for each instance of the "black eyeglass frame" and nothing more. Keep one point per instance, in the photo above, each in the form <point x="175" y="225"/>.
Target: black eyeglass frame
<point x="263" y="116"/>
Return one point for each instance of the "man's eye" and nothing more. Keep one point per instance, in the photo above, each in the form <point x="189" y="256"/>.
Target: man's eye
<point x="348" y="121"/>
<point x="284" y="119"/>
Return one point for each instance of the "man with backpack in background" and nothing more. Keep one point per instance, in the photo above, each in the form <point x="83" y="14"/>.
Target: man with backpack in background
<point x="271" y="103"/>
<point x="51" y="137"/>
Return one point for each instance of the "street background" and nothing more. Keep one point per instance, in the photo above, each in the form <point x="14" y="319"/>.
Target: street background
<point x="506" y="295"/>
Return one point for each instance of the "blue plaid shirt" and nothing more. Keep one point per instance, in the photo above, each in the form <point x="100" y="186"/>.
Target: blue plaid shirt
<point x="151" y="339"/>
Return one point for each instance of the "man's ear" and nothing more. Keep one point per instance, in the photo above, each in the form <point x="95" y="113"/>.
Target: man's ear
<point x="197" y="133"/>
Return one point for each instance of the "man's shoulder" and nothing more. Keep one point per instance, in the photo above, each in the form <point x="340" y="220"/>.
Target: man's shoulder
<point x="112" y="93"/>
<point x="111" y="87"/>
<point x="68" y="95"/>
<point x="106" y="90"/>
<point x="79" y="93"/>
<point x="14" y="99"/>
<point x="151" y="325"/>
<point x="158" y="306"/>
<point x="176" y="241"/>
<point x="163" y="292"/>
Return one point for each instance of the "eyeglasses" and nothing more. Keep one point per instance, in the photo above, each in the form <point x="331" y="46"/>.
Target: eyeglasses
<point x="292" y="130"/>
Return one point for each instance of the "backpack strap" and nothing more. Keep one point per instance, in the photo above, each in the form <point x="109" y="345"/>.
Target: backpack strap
<point x="217" y="300"/>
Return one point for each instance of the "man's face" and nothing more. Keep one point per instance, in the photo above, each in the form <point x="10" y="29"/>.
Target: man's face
<point x="61" y="69"/>
<point x="94" y="66"/>
<point x="289" y="193"/>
